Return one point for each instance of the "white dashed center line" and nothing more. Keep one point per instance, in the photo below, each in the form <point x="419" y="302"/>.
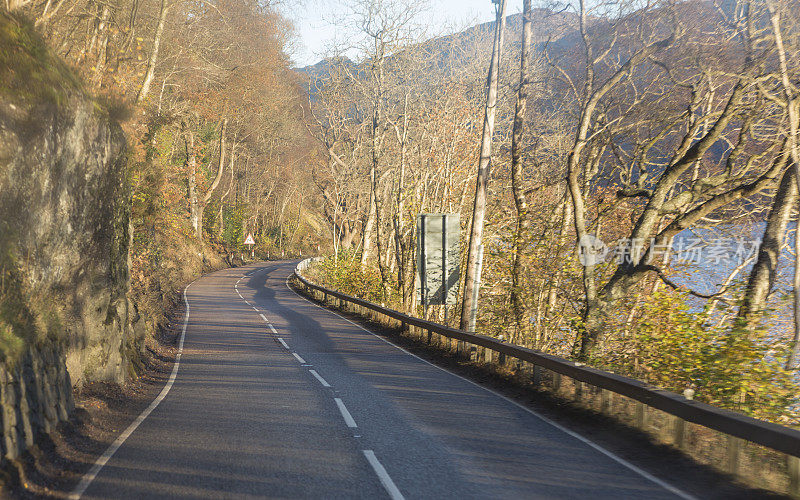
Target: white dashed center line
<point x="348" y="419"/>
<point x="319" y="377"/>
<point x="386" y="481"/>
<point x="380" y="471"/>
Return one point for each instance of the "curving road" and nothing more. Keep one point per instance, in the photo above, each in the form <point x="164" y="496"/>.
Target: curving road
<point x="278" y="397"/>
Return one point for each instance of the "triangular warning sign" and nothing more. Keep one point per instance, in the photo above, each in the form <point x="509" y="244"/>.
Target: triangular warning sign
<point x="249" y="240"/>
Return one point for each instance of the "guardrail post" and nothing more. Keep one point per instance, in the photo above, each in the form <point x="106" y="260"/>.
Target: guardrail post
<point x="641" y="415"/>
<point x="578" y="393"/>
<point x="679" y="432"/>
<point x="556" y="382"/>
<point x="537" y="375"/>
<point x="793" y="466"/>
<point x="605" y="401"/>
<point x="733" y="454"/>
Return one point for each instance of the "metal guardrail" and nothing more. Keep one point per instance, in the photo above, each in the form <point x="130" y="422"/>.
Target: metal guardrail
<point x="770" y="435"/>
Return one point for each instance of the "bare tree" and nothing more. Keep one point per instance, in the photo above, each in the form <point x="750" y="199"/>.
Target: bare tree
<point x="520" y="202"/>
<point x="471" y="276"/>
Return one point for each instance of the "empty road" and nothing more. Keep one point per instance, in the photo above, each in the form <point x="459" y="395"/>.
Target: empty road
<point x="278" y="397"/>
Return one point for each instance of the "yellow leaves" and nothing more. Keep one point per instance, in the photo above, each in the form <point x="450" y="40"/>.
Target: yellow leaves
<point x="730" y="367"/>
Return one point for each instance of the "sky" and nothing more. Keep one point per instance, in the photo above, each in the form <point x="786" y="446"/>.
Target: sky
<point x="316" y="30"/>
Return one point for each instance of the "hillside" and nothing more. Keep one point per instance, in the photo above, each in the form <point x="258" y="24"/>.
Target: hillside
<point x="555" y="30"/>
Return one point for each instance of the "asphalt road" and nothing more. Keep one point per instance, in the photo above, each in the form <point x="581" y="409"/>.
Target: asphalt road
<point x="278" y="397"/>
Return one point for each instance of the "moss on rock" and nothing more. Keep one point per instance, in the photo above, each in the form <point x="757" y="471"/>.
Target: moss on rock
<point x="29" y="71"/>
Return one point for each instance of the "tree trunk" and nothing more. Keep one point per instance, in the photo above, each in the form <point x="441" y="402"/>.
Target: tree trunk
<point x="151" y="61"/>
<point x="479" y="208"/>
<point x="220" y="218"/>
<point x="520" y="203"/>
<point x="100" y="62"/>
<point x="199" y="205"/>
<point x="793" y="363"/>
<point x="131" y="27"/>
<point x="220" y="165"/>
<point x="794" y="121"/>
<point x="400" y="248"/>
<point x="373" y="222"/>
<point x="762" y="276"/>
<point x="195" y="213"/>
<point x="369" y="223"/>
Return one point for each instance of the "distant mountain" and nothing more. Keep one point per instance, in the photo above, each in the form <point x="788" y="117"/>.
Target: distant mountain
<point x="552" y="28"/>
<point x="323" y="67"/>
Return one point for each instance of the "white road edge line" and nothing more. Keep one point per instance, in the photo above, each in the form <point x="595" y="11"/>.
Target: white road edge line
<point x="272" y="328"/>
<point x="386" y="481"/>
<point x="586" y="441"/>
<point x="319" y="377"/>
<point x="87" y="479"/>
<point x="264" y="318"/>
<point x="283" y="343"/>
<point x="298" y="358"/>
<point x="348" y="419"/>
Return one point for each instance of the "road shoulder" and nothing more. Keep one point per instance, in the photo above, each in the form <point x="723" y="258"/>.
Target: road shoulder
<point x="57" y="462"/>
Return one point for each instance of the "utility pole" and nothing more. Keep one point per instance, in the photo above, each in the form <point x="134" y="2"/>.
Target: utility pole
<point x="471" y="276"/>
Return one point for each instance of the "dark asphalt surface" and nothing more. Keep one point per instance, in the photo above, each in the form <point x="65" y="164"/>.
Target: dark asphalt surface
<point x="246" y="419"/>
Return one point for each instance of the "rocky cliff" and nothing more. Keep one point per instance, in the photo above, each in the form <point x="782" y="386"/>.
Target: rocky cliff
<point x="65" y="318"/>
